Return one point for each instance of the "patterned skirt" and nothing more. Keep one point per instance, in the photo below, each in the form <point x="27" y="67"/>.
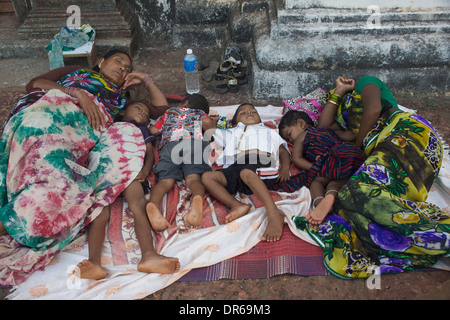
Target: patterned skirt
<point x="381" y="222"/>
<point x="56" y="175"/>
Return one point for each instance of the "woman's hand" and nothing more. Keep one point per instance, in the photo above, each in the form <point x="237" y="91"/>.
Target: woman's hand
<point x="344" y="84"/>
<point x="133" y="79"/>
<point x="91" y="110"/>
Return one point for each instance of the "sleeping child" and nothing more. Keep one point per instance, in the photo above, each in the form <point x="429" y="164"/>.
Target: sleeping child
<point x="254" y="158"/>
<point x="329" y="161"/>
<point x="181" y="156"/>
<point x="138" y="114"/>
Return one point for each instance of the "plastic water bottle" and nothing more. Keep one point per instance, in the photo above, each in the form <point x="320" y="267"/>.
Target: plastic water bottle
<point x="191" y="72"/>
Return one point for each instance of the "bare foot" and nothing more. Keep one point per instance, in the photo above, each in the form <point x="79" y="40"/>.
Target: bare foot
<point x="157" y="263"/>
<point x="195" y="216"/>
<point x="158" y="222"/>
<point x="90" y="270"/>
<point x="274" y="227"/>
<point x="237" y="212"/>
<point x="316" y="216"/>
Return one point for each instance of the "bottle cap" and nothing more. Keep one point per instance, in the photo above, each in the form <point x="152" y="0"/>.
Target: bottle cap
<point x="189" y="51"/>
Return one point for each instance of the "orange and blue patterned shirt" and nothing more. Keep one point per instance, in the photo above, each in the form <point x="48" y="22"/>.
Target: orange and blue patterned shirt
<point x="180" y="123"/>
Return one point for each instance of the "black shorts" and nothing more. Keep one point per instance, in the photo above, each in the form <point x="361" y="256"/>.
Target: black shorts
<point x="232" y="174"/>
<point x="178" y="159"/>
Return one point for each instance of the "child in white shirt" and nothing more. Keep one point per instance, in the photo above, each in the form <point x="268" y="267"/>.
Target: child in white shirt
<point x="254" y="158"/>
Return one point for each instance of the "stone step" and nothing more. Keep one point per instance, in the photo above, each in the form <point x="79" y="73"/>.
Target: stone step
<point x="323" y="38"/>
<point x="198" y="25"/>
<point x="308" y="47"/>
<point x="44" y="23"/>
<point x="327" y="15"/>
<point x="66" y="3"/>
<point x="354" y="51"/>
<point x="361" y="28"/>
<point x="363" y="4"/>
<point x="36" y="49"/>
<point x="325" y="22"/>
<point x="6" y="7"/>
<point x="62" y="10"/>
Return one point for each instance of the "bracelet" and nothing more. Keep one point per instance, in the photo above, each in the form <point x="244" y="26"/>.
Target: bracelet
<point x="71" y="91"/>
<point x="333" y="102"/>
<point x="337" y="191"/>
<point x="336" y="97"/>
<point x="314" y="201"/>
<point x="148" y="80"/>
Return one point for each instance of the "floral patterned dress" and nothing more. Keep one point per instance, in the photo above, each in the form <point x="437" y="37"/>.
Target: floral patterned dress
<point x="381" y="222"/>
<point x="56" y="175"/>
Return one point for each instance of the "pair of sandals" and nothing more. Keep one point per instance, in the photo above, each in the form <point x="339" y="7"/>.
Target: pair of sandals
<point x="225" y="76"/>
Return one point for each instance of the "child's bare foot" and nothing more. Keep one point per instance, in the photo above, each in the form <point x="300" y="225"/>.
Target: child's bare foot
<point x="158" y="222"/>
<point x="90" y="270"/>
<point x="316" y="216"/>
<point x="274" y="227"/>
<point x="157" y="263"/>
<point x="237" y="212"/>
<point x="195" y="216"/>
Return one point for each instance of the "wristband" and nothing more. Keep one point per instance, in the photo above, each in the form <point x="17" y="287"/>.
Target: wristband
<point x="336" y="97"/>
<point x="335" y="94"/>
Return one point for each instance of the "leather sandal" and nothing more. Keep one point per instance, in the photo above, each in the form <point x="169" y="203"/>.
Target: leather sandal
<point x="233" y="84"/>
<point x="240" y="74"/>
<point x="218" y="83"/>
<point x="209" y="72"/>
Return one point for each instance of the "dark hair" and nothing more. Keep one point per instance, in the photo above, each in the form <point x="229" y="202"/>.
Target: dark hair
<point x="137" y="101"/>
<point x="121" y="113"/>
<point x="197" y="101"/>
<point x="110" y="53"/>
<point x="234" y="121"/>
<point x="291" y="117"/>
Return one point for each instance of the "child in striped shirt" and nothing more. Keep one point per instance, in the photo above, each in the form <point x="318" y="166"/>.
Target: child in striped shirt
<point x="329" y="161"/>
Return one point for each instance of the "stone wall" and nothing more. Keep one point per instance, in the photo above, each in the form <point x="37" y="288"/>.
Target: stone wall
<point x="153" y="18"/>
<point x="293" y="46"/>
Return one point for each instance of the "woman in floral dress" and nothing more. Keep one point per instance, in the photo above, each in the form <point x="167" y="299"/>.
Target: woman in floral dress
<point x="63" y="159"/>
<point x="381" y="222"/>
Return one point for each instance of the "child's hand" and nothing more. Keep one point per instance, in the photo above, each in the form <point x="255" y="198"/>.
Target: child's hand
<point x="215" y="118"/>
<point x="284" y="175"/>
